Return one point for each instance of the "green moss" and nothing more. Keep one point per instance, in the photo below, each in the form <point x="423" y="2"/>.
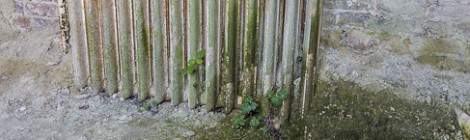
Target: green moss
<point x="343" y="110"/>
<point x="384" y="35"/>
<point x="93" y="37"/>
<point x="438" y="52"/>
<point x="225" y="130"/>
<point x="146" y="106"/>
<point x="142" y="48"/>
<point x="399" y="45"/>
<point x="195" y="63"/>
<point x="331" y="39"/>
<point x="142" y="122"/>
<point x="465" y="131"/>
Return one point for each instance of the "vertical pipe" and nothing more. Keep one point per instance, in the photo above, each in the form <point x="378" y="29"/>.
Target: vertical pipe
<point x="269" y="47"/>
<point x="298" y="65"/>
<point x="314" y="43"/>
<point x="249" y="47"/>
<point x="92" y="13"/>
<point x="259" y="51"/>
<point x="78" y="42"/>
<point x="109" y="45"/>
<point x="125" y="47"/>
<point x="166" y="49"/>
<point x="279" y="40"/>
<point x="158" y="44"/>
<point x="210" y="38"/>
<point x="176" y="51"/>
<point x="220" y="101"/>
<point x="201" y="69"/>
<point x="142" y="45"/>
<point x="229" y="60"/>
<point x="287" y="61"/>
<point x="309" y="10"/>
<point x="239" y="52"/>
<point x="193" y="44"/>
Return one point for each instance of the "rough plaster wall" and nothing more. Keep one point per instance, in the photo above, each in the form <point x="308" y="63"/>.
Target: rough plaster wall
<point x="30" y="15"/>
<point x="6" y="9"/>
<point x="30" y="47"/>
<point x="29" y="30"/>
<point x="418" y="48"/>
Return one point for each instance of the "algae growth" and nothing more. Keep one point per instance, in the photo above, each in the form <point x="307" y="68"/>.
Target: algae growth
<point x="343" y="110"/>
<point x="226" y="130"/>
<point x="466" y="131"/>
<point x="443" y="55"/>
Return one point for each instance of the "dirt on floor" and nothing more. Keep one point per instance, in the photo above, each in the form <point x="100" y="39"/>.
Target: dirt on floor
<point x="36" y="101"/>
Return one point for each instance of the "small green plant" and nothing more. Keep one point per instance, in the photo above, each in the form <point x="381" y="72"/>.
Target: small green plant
<point x="239" y="121"/>
<point x="194" y="63"/>
<point x="146" y="106"/>
<point x="248" y="114"/>
<point x="276" y="98"/>
<point x="248" y="106"/>
<point x="255" y="121"/>
<point x="154" y="103"/>
<point x="264" y="129"/>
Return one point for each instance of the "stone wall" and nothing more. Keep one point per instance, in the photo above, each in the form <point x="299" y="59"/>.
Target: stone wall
<point x="417" y="48"/>
<point x="35" y="14"/>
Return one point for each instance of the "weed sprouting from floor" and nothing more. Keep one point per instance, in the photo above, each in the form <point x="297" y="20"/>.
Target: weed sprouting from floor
<point x="343" y="110"/>
<point x="276" y="98"/>
<point x="146" y="106"/>
<point x="249" y="106"/>
<point x="250" y="116"/>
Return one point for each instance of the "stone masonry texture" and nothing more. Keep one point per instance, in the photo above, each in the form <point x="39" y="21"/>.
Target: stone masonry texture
<point x="36" y="14"/>
<point x="419" y="49"/>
